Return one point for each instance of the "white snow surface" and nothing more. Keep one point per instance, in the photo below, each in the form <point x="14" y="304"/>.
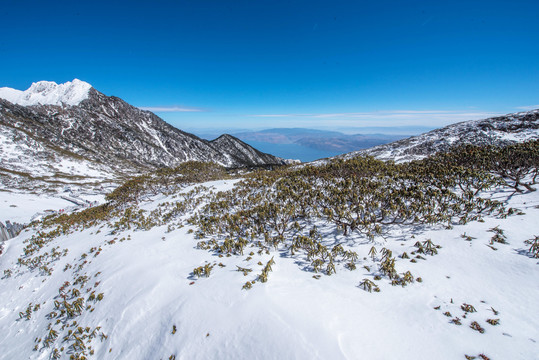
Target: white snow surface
<point x="25" y="207"/>
<point x="48" y="93"/>
<point x="148" y="288"/>
<point x="20" y="208"/>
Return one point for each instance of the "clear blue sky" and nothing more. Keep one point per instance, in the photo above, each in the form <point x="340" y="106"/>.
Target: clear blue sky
<point x="312" y="63"/>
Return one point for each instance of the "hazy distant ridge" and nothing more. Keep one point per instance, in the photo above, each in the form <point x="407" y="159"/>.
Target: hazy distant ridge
<point x="332" y="141"/>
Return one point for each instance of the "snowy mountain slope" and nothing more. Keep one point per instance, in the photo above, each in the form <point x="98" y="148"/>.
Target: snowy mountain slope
<point x="35" y="174"/>
<point x="107" y="129"/>
<point x="27" y="163"/>
<point x="24" y="208"/>
<point x="501" y="130"/>
<point x="72" y="130"/>
<point x="153" y="307"/>
<point x="127" y="286"/>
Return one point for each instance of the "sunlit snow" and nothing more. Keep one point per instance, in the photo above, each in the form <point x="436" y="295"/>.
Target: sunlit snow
<point x="48" y="93"/>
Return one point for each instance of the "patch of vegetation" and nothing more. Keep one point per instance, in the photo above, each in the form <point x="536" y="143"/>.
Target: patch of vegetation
<point x="277" y="210"/>
<point x="499" y="236"/>
<point x="475" y="325"/>
<point x="515" y="166"/>
<point x="166" y="181"/>
<point x="204" y="271"/>
<point x="534" y="247"/>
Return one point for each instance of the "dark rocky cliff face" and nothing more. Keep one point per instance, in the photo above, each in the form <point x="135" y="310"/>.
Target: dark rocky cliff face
<point x="240" y="152"/>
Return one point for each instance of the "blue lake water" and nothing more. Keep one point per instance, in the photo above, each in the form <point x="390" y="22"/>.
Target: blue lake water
<point x="292" y="151"/>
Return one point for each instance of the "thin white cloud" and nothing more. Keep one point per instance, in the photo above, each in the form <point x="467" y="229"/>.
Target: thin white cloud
<point x="529" y="107"/>
<point x="387" y="114"/>
<point x="278" y="115"/>
<point x="383" y="117"/>
<point x="170" y="109"/>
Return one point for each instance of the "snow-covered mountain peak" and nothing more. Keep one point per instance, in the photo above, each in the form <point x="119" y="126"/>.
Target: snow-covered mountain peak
<point x="48" y="93"/>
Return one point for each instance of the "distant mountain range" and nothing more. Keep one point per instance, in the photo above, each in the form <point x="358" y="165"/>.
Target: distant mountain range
<point x="308" y="144"/>
<point x="71" y="133"/>
<point x="322" y="140"/>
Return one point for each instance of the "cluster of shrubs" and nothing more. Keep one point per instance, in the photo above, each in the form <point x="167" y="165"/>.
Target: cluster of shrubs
<point x="364" y="196"/>
<point x="166" y="181"/>
<point x="122" y="202"/>
<point x="515" y="166"/>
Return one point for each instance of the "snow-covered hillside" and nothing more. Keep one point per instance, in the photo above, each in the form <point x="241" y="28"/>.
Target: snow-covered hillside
<point x="28" y="163"/>
<point x="135" y="287"/>
<point x="497" y="131"/>
<point x="353" y="258"/>
<point x="23" y="208"/>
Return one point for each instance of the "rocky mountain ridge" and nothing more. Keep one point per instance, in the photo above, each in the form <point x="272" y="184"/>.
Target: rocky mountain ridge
<point x="72" y="131"/>
<point x="497" y="131"/>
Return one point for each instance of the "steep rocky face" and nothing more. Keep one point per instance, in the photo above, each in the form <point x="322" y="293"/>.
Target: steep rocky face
<point x="498" y="131"/>
<point x="73" y="122"/>
<point x="238" y="151"/>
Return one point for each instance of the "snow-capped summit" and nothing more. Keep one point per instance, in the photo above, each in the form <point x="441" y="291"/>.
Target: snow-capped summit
<point x="48" y="93"/>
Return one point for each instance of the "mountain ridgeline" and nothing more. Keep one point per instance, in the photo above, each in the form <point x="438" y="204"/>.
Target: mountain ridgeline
<point x="75" y="123"/>
<point x="496" y="131"/>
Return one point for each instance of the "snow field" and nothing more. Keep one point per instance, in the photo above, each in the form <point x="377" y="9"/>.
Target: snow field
<point x="148" y="286"/>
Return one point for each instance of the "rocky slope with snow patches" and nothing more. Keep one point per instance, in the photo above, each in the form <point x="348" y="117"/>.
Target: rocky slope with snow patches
<point x="28" y="162"/>
<point x="72" y="130"/>
<point x="497" y="131"/>
<point x="241" y="152"/>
